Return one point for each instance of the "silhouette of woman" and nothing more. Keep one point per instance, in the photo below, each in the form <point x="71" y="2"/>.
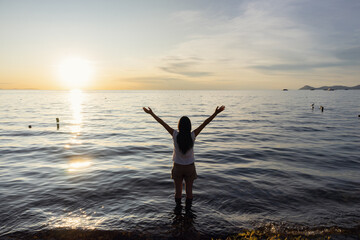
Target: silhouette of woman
<point x="183" y="155"/>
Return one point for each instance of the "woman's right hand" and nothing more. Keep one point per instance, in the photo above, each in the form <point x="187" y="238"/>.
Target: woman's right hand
<point x="148" y="110"/>
<point x="219" y="109"/>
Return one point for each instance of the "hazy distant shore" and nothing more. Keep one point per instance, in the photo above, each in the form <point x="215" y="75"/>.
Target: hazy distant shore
<point x="335" y="87"/>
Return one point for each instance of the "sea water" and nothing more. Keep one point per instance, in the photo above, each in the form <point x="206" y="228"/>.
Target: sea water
<point x="269" y="161"/>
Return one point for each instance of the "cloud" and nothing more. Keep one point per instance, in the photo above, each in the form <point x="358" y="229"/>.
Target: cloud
<point x="296" y="67"/>
<point x="260" y="34"/>
<point x="269" y="36"/>
<point x="350" y="54"/>
<point x="346" y="57"/>
<point x="163" y="83"/>
<point x="186" y="67"/>
<point x="188" y="16"/>
<point x="156" y="80"/>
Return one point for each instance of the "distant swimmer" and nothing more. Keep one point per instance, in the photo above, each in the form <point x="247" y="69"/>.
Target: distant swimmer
<point x="183" y="154"/>
<point x="312" y="106"/>
<point x="57" y="123"/>
<point x="322" y="108"/>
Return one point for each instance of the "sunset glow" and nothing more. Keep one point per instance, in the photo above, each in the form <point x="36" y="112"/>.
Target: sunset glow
<point x="178" y="45"/>
<point x="75" y="73"/>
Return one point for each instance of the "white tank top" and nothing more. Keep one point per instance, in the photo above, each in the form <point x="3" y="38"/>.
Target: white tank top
<point x="178" y="156"/>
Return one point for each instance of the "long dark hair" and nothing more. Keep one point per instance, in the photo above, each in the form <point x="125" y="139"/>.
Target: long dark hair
<point x="184" y="139"/>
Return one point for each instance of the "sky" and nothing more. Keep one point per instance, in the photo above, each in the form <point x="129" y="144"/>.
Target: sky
<point x="187" y="44"/>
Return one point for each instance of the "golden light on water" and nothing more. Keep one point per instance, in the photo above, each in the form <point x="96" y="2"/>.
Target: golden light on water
<point x="75" y="220"/>
<point x="75" y="72"/>
<point x="76" y="99"/>
<point x="79" y="165"/>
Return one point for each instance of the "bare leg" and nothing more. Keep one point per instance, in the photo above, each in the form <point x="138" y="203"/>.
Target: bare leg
<point x="188" y="188"/>
<point x="178" y="187"/>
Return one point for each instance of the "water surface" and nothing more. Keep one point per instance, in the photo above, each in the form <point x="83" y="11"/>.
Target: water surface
<point x="268" y="161"/>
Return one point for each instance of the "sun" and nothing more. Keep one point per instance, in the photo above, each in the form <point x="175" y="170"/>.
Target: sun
<point x="75" y="72"/>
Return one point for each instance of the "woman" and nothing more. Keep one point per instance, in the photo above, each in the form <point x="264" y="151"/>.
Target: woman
<point x="183" y="155"/>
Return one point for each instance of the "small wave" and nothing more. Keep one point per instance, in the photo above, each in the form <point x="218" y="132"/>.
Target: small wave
<point x="119" y="151"/>
<point x="303" y="129"/>
<point x="30" y="150"/>
<point x="29" y="133"/>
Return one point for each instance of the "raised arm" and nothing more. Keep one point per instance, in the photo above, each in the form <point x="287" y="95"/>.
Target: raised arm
<point x="159" y="120"/>
<point x="208" y="120"/>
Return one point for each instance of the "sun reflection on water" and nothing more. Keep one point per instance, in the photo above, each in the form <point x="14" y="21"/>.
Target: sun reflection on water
<point x="76" y="98"/>
<point x="75" y="220"/>
<point x="78" y="165"/>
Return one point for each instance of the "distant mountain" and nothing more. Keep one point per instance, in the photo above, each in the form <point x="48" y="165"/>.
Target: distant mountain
<point x="336" y="87"/>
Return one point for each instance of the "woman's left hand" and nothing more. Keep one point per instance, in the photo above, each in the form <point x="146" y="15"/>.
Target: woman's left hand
<point x="148" y="110"/>
<point x="219" y="109"/>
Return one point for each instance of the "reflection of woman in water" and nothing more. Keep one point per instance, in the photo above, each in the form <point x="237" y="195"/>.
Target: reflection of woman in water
<point x="183" y="156"/>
